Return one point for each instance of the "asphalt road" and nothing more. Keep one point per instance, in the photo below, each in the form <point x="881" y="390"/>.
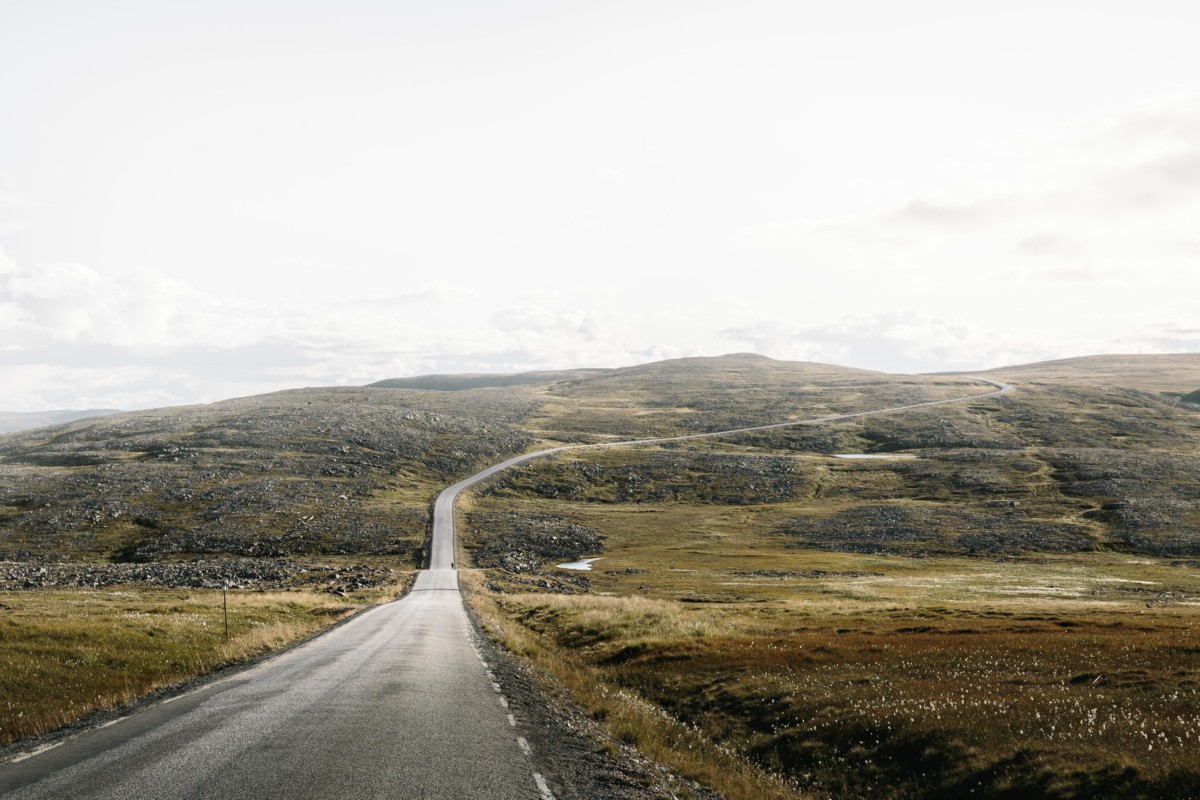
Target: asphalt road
<point x="396" y="703"/>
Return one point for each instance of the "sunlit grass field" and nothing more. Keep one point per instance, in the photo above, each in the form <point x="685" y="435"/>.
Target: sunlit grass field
<point x="66" y="653"/>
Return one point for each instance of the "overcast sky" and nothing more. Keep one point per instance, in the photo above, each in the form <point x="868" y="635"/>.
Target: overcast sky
<point x="211" y="199"/>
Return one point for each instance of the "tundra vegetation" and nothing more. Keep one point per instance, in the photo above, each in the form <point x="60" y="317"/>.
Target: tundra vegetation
<point x="999" y="605"/>
<point x="1003" y="606"/>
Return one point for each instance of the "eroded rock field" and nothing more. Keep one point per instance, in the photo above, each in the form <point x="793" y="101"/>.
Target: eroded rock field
<point x="241" y="573"/>
<point x="316" y="473"/>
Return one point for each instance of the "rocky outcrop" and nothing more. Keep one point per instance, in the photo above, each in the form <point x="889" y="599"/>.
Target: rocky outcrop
<point x="306" y="472"/>
<point x="935" y="530"/>
<point x="234" y="574"/>
<point x="520" y="543"/>
<point x="672" y="476"/>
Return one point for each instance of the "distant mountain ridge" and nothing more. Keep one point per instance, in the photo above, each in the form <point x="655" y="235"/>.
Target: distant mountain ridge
<point x="13" y="421"/>
<point x="482" y="380"/>
<point x="671" y="368"/>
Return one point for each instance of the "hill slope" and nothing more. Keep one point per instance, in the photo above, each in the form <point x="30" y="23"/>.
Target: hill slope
<point x="480" y="380"/>
<point x="312" y="471"/>
<point x="1169" y="373"/>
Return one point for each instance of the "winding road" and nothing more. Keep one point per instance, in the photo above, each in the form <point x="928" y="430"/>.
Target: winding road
<point x="399" y="702"/>
<point x="443" y="544"/>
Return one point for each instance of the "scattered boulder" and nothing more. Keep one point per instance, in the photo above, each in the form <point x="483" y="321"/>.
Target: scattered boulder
<point x="520" y="543"/>
<point x="243" y="573"/>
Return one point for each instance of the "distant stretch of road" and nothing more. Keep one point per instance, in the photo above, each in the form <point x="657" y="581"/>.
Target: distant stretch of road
<point x="396" y="703"/>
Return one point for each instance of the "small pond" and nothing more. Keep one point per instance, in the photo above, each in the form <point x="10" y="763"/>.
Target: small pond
<point x="582" y="564"/>
<point x="872" y="455"/>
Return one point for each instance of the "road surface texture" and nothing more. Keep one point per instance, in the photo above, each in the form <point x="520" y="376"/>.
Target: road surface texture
<point x="406" y="700"/>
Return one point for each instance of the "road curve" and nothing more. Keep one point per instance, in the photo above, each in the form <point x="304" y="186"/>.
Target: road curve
<point x="397" y="702"/>
<point x="441" y="551"/>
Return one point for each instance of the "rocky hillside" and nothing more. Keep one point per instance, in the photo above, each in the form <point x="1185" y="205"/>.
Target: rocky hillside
<point x="1074" y="460"/>
<point x="1047" y="469"/>
<point x="474" y="380"/>
<point x="314" y="471"/>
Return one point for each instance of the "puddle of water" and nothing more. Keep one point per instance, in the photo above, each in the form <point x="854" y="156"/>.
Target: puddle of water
<point x="871" y="455"/>
<point x="584" y="564"/>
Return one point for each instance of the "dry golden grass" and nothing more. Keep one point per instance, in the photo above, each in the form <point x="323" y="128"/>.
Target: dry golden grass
<point x="626" y="715"/>
<point x="66" y="653"/>
<point x="858" y="675"/>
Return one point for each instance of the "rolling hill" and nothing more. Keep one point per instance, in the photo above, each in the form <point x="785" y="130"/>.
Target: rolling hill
<point x="893" y="606"/>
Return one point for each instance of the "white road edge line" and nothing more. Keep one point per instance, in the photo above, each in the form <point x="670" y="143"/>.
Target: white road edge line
<point x="185" y="694"/>
<point x="542" y="787"/>
<point x="35" y="752"/>
<point x="524" y="745"/>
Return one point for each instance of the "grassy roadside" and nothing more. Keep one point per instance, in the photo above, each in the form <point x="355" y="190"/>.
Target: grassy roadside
<point x="896" y="695"/>
<point x="66" y="653"/>
<point x="749" y="664"/>
<point x="625" y="715"/>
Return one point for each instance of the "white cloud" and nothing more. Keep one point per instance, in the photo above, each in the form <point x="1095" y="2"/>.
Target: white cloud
<point x="1062" y="235"/>
<point x="74" y="337"/>
<point x="11" y="199"/>
<point x="612" y="175"/>
<point x="1064" y="241"/>
<point x="6" y="264"/>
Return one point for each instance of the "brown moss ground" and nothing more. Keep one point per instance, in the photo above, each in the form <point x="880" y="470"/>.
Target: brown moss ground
<point x="1027" y="674"/>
